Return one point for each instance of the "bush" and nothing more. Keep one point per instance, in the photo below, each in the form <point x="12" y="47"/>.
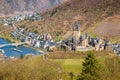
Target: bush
<point x="21" y="56"/>
<point x="53" y="13"/>
<point x="36" y="32"/>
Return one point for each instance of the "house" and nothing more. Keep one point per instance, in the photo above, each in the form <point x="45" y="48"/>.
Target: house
<point x="5" y="22"/>
<point x="28" y="40"/>
<point x="20" y="30"/>
<point x="73" y="48"/>
<point x="47" y="36"/>
<point x="71" y="40"/>
<point x="22" y="39"/>
<point x="42" y="43"/>
<point x="49" y="44"/>
<point x="116" y="48"/>
<point x="107" y="46"/>
<point x="37" y="44"/>
<point x="99" y="46"/>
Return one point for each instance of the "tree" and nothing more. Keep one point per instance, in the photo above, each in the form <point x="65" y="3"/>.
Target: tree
<point x="36" y="32"/>
<point x="21" y="56"/>
<point x="90" y="67"/>
<point x="71" y="75"/>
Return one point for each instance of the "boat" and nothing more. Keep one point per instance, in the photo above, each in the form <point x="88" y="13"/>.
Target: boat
<point x="2" y="51"/>
<point x="16" y="49"/>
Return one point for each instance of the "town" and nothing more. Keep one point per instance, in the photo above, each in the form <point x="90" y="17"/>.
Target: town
<point x="13" y="20"/>
<point x="60" y="39"/>
<point x="76" y="42"/>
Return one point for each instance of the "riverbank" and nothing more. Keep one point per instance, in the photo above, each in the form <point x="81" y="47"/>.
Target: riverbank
<point x="14" y="51"/>
<point x="9" y="38"/>
<point x="37" y="49"/>
<point x="12" y="39"/>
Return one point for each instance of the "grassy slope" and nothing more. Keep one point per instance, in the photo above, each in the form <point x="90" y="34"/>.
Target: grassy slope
<point x="72" y="62"/>
<point x="33" y="69"/>
<point x="38" y="69"/>
<point x="106" y="63"/>
<point x="74" y="65"/>
<point x="70" y="65"/>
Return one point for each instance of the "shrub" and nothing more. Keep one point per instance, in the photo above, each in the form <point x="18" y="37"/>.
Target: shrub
<point x="53" y="13"/>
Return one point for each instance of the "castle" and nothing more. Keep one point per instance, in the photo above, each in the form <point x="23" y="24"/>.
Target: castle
<point x="84" y="42"/>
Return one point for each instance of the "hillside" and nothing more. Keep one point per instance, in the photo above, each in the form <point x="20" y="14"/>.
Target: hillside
<point x="60" y="19"/>
<point x="32" y="69"/>
<point x="88" y="13"/>
<point x="108" y="29"/>
<point x="98" y="18"/>
<point x="26" y="6"/>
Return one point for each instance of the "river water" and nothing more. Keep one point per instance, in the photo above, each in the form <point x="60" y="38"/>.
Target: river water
<point x="16" y="51"/>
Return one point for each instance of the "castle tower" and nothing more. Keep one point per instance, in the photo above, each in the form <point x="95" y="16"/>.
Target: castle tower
<point x="76" y="32"/>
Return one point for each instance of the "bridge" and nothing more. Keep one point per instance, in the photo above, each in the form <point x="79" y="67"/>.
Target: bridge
<point x="12" y="44"/>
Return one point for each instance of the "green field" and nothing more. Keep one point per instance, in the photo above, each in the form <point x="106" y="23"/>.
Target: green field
<point x="70" y="65"/>
<point x="74" y="65"/>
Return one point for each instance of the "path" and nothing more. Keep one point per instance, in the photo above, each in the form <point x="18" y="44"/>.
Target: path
<point x="59" y="69"/>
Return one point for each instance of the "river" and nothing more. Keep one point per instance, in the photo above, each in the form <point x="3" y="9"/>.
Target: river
<point x="16" y="51"/>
